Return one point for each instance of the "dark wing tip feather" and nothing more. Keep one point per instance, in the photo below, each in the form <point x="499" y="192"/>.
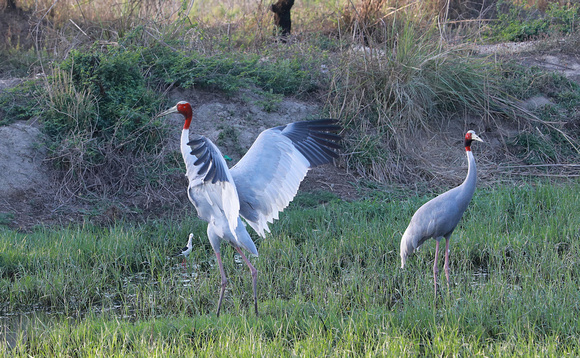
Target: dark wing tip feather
<point x="206" y="158"/>
<point x="203" y="169"/>
<point x="327" y="143"/>
<point x="197" y="146"/>
<point x="220" y="175"/>
<point x="325" y="128"/>
<point x="210" y="173"/>
<point x="330" y="152"/>
<point x="196" y="141"/>
<point x="314" y="139"/>
<point x="328" y="136"/>
<point x="201" y="158"/>
<point x="323" y="121"/>
<point x="315" y="154"/>
<point x="197" y="151"/>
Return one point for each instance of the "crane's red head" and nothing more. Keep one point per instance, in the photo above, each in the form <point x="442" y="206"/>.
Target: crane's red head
<point x="470" y="136"/>
<point x="181" y="107"/>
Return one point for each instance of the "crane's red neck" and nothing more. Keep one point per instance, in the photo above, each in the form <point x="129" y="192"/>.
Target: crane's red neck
<point x="185" y="109"/>
<point x="468" y="141"/>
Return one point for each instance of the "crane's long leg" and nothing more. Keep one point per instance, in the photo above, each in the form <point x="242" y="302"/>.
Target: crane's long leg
<point x="447" y="261"/>
<point x="254" y="273"/>
<point x="435" y="268"/>
<point x="224" y="281"/>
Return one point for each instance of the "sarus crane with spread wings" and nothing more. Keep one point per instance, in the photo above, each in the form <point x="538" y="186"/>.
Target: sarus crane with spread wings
<point x="258" y="187"/>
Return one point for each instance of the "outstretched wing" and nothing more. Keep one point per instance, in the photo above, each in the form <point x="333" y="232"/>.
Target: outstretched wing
<point x="268" y="176"/>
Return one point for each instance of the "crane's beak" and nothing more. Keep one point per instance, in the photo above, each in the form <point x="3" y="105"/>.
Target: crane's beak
<point x="169" y="111"/>
<point x="475" y="137"/>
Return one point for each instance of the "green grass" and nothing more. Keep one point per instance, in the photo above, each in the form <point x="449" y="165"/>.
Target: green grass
<point x="329" y="285"/>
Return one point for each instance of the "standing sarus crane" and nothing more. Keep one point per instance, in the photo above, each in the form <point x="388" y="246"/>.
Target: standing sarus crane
<point x="258" y="187"/>
<point x="438" y="217"/>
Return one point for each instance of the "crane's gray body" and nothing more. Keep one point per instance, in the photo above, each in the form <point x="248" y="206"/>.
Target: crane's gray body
<point x="438" y="217"/>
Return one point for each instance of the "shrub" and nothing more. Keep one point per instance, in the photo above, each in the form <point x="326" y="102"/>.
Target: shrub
<point x="230" y="71"/>
<point x="100" y="119"/>
<point x="520" y="23"/>
<point x="101" y="104"/>
<point x="19" y="102"/>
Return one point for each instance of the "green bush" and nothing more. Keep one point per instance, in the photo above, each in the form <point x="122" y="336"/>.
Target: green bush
<point x="542" y="140"/>
<point x="519" y="23"/>
<point x="16" y="62"/>
<point x="231" y="71"/>
<point x="100" y="119"/>
<point x="114" y="80"/>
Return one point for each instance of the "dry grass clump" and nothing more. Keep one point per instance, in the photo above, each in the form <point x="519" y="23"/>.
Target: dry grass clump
<point x="58" y="13"/>
<point x="389" y="93"/>
<point x="407" y="83"/>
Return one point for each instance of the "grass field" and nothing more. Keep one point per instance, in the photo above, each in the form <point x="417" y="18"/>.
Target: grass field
<point x="329" y="284"/>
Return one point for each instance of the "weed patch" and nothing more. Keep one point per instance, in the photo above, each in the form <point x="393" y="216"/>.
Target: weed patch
<point x="388" y="94"/>
<point x="19" y="102"/>
<point x="518" y="22"/>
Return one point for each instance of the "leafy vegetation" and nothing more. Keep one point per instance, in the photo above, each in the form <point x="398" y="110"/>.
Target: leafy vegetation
<point x="390" y="93"/>
<point x="115" y="82"/>
<point x="542" y="143"/>
<point x="329" y="284"/>
<point x="18" y="102"/>
<point x="518" y="22"/>
<point x="16" y="63"/>
<point x="99" y="105"/>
